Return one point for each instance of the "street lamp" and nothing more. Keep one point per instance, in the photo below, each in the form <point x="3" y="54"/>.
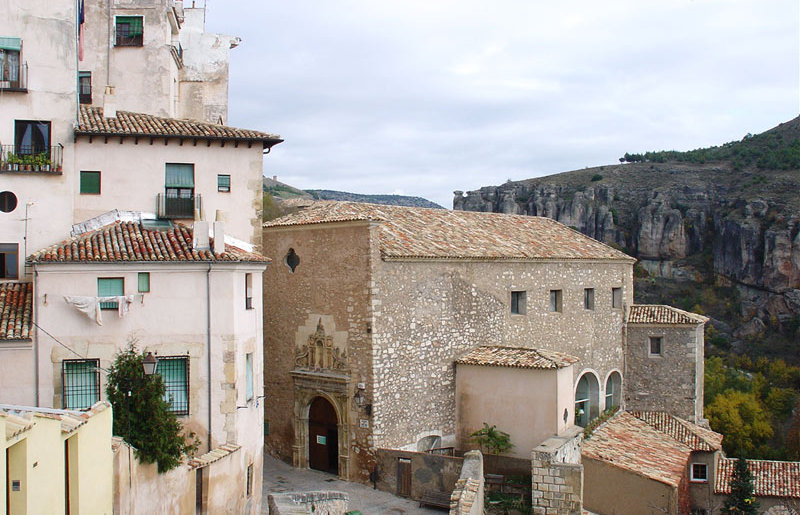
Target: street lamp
<point x="149" y="363"/>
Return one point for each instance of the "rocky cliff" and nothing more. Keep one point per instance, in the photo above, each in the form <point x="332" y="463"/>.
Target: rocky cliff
<point x="734" y="220"/>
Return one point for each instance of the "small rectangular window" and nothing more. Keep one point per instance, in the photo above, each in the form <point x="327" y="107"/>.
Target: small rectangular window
<point x="224" y="183"/>
<point x="588" y="298"/>
<point x="9" y="261"/>
<point x="699" y="472"/>
<point x="248" y="375"/>
<point x="10" y="71"/>
<point x="174" y="371"/>
<point x="81" y="383"/>
<point x="655" y="345"/>
<point x="249" y="480"/>
<point x="85" y="87"/>
<point x="248" y="291"/>
<point x="129" y="30"/>
<point x="556" y="301"/>
<point x="144" y="282"/>
<point x="518" y="299"/>
<point x="616" y="298"/>
<point x="90" y="183"/>
<point x="110" y="287"/>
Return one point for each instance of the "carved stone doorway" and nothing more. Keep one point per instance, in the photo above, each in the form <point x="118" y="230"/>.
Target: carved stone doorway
<point x="323" y="436"/>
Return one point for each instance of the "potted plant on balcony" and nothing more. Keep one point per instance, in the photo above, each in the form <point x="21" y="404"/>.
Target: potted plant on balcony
<point x="13" y="161"/>
<point x="42" y="162"/>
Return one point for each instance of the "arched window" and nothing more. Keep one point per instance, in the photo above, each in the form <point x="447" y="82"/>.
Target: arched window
<point x="586" y="399"/>
<point x="613" y="390"/>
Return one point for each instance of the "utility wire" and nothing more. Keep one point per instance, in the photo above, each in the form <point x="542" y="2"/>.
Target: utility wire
<point x="66" y="347"/>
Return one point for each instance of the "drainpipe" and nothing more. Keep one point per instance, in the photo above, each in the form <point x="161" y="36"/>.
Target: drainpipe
<point x="36" y="339"/>
<point x="208" y="347"/>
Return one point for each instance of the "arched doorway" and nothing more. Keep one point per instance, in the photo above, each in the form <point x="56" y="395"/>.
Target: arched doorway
<point x="587" y="405"/>
<point x="323" y="436"/>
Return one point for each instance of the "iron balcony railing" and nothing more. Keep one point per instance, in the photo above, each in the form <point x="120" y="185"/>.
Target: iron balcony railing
<point x="31" y="159"/>
<point x="10" y="81"/>
<point x="177" y="207"/>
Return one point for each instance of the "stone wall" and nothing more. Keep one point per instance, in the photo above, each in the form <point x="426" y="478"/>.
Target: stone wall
<point x="557" y="483"/>
<point x="428" y="471"/>
<point x="318" y="503"/>
<point x="671" y="381"/>
<point x="467" y="497"/>
<point x="429" y="313"/>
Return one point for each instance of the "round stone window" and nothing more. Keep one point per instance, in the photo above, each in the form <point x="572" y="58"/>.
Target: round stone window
<point x="8" y="202"/>
<point x="292" y="260"/>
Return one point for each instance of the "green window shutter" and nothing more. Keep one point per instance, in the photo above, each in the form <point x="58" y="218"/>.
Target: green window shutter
<point x="248" y="366"/>
<point x="7" y="43"/>
<point x="174" y="373"/>
<point x="135" y="24"/>
<point x="90" y="183"/>
<point x="179" y="175"/>
<point x="107" y="287"/>
<point x="223" y="183"/>
<point x="144" y="282"/>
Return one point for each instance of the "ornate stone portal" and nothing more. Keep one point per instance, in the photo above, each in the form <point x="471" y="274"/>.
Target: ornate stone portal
<point x="320" y="371"/>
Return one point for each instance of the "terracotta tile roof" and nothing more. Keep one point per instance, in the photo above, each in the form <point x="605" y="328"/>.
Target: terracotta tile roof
<point x="659" y="314"/>
<point x="16" y="307"/>
<point x="410" y="232"/>
<point x="70" y="419"/>
<point x="631" y="444"/>
<point x="91" y="122"/>
<point x="15" y="425"/>
<point x="770" y="478"/>
<point x="517" y="357"/>
<point x="213" y="455"/>
<point x="130" y="242"/>
<point x="693" y="436"/>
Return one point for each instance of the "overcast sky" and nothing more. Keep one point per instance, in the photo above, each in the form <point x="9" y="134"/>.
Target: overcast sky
<point x="426" y="97"/>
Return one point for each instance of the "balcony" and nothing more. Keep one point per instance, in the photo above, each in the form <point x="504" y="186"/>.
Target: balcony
<point x="31" y="160"/>
<point x="15" y="79"/>
<point x="177" y="207"/>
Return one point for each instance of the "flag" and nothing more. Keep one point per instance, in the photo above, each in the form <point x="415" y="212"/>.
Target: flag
<point x="81" y="19"/>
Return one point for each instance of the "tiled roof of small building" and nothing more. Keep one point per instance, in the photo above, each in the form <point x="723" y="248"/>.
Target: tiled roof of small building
<point x="16" y="308"/>
<point x="70" y="419"/>
<point x="130" y="242"/>
<point x="770" y="478"/>
<point x="213" y="455"/>
<point x="411" y="232"/>
<point x="659" y="314"/>
<point x="695" y="437"/>
<point x="517" y="357"/>
<point x="91" y="122"/>
<point x="630" y="443"/>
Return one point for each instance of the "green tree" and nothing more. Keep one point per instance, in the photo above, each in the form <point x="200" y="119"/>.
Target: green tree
<point x="141" y="415"/>
<point x="742" y="498"/>
<point x="270" y="210"/>
<point x="492" y="440"/>
<point x="741" y="418"/>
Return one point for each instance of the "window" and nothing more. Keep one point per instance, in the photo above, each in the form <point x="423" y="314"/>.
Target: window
<point x="249" y="480"/>
<point x="110" y="287"/>
<point x="588" y="298"/>
<point x="129" y="30"/>
<point x="144" y="282"/>
<point x="248" y="291"/>
<point x="292" y="260"/>
<point x="655" y="345"/>
<point x="85" y="87"/>
<point x="31" y="136"/>
<point x="81" y="382"/>
<point x="90" y="183"/>
<point x="518" y="302"/>
<point x="179" y="190"/>
<point x="174" y="371"/>
<point x="10" y="49"/>
<point x="555" y="301"/>
<point x="8" y="202"/>
<point x="586" y="399"/>
<point x="9" y="261"/>
<point x="613" y="390"/>
<point x="224" y="183"/>
<point x="700" y="472"/>
<point x="616" y="298"/>
<point x="248" y="375"/>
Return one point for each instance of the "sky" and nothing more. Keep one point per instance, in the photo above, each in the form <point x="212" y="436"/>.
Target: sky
<point x="426" y="97"/>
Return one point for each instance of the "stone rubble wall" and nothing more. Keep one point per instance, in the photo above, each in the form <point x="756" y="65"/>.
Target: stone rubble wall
<point x="468" y="496"/>
<point x="318" y="503"/>
<point x="557" y="483"/>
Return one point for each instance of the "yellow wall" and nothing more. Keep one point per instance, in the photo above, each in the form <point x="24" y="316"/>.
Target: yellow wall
<point x="3" y="478"/>
<point x="93" y="466"/>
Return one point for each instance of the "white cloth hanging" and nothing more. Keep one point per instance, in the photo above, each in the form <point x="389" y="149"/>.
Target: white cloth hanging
<point x="90" y="306"/>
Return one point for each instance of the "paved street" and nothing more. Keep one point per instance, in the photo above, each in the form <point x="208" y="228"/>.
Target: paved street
<point x="280" y="477"/>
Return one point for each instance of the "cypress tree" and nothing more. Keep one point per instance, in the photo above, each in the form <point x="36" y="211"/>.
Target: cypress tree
<point x="742" y="498"/>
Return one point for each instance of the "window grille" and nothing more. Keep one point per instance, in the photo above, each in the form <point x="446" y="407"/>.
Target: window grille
<point x="81" y="383"/>
<point x="174" y="371"/>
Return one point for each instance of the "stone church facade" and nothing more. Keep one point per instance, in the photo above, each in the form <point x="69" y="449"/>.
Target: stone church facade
<point x="369" y="307"/>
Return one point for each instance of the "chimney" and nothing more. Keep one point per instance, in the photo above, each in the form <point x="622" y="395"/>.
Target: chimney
<point x="200" y="233"/>
<point x="109" y="103"/>
<point x="219" y="233"/>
